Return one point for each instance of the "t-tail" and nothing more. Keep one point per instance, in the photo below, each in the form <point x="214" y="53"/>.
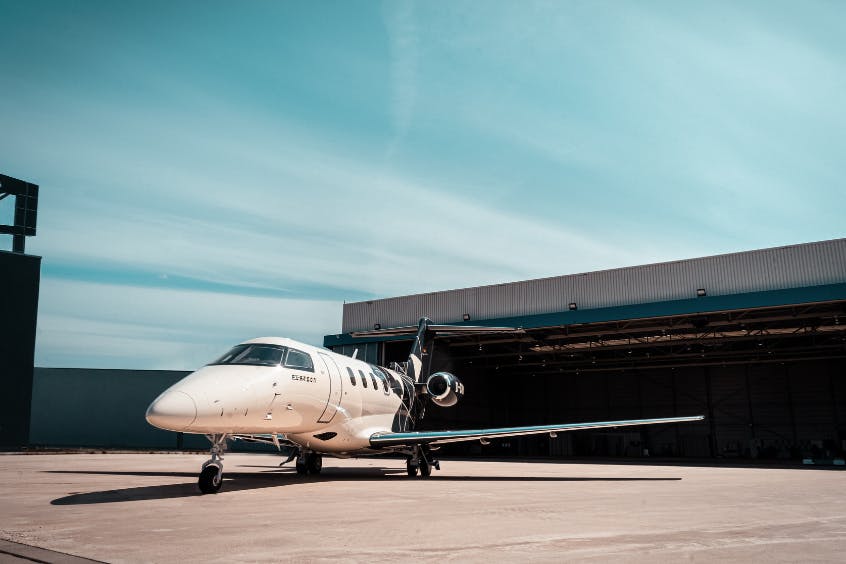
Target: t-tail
<point x="421" y="344"/>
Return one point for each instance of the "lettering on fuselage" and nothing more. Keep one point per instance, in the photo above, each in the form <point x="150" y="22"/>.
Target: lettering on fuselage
<point x="303" y="378"/>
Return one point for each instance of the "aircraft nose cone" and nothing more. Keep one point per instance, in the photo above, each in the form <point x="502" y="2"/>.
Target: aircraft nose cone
<point x="173" y="411"/>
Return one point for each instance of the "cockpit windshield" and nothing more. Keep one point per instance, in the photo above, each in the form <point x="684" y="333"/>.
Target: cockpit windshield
<point x="255" y="354"/>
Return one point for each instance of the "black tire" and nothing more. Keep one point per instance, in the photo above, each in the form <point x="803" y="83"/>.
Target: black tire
<point x="302" y="464"/>
<point x="314" y="463"/>
<point x="425" y="469"/>
<point x="211" y="478"/>
<point x="410" y="468"/>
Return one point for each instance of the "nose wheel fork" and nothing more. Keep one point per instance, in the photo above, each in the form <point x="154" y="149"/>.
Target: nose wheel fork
<point x="211" y="475"/>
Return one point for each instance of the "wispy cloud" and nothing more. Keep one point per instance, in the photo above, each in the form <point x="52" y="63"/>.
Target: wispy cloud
<point x="403" y="40"/>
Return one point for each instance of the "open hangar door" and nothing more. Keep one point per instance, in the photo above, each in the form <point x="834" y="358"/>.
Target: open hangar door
<point x="770" y="381"/>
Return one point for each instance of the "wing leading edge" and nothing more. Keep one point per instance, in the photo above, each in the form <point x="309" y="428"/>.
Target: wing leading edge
<point x="441" y="437"/>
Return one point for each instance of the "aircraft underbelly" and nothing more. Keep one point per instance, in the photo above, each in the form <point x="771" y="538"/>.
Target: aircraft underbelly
<point x="350" y="436"/>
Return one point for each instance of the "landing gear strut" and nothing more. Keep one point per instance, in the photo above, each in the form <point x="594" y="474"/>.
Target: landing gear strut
<point x="423" y="461"/>
<point x="309" y="463"/>
<point x="211" y="476"/>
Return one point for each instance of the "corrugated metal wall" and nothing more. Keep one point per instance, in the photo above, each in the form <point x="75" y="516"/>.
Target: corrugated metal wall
<point x="811" y="264"/>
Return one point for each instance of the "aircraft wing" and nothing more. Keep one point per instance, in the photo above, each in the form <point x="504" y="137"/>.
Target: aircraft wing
<point x="441" y="437"/>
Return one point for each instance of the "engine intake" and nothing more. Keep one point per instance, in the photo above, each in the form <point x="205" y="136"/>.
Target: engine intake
<point x="444" y="389"/>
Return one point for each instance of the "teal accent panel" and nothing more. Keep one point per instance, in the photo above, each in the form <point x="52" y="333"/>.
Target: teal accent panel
<point x="330" y="341"/>
<point x="101" y="408"/>
<point x="703" y="305"/>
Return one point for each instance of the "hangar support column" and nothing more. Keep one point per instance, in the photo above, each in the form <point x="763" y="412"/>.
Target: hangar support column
<point x="20" y="276"/>
<point x="19" y="281"/>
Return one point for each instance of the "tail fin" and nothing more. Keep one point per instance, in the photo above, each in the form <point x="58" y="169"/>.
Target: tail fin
<point x="418" y="349"/>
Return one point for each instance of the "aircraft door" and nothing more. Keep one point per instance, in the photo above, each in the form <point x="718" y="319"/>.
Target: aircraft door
<point x="334" y="373"/>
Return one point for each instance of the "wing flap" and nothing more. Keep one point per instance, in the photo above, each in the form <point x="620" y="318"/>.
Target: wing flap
<point x="443" y="437"/>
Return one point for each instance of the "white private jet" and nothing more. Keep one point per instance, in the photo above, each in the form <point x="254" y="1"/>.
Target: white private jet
<point x="282" y="392"/>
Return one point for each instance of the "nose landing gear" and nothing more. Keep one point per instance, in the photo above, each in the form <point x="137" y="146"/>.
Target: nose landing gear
<point x="211" y="476"/>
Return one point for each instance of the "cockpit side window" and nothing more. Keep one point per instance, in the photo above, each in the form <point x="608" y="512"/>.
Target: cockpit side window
<point x="253" y="354"/>
<point x="373" y="379"/>
<point x="299" y="360"/>
<point x="352" y="375"/>
<point x="363" y="378"/>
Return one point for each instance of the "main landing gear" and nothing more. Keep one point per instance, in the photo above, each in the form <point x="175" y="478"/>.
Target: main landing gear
<point x="421" y="461"/>
<point x="309" y="463"/>
<point x="211" y="476"/>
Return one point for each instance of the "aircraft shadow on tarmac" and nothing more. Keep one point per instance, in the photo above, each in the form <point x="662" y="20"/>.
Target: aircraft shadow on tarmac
<point x="274" y="477"/>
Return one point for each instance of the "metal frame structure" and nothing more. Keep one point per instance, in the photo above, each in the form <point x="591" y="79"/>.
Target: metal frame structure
<point x="26" y="210"/>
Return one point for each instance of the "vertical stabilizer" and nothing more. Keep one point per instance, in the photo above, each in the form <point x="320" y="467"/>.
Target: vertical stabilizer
<point x="418" y="349"/>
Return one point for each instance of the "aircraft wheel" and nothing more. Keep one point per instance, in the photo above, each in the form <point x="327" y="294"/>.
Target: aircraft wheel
<point x="211" y="478"/>
<point x="314" y="463"/>
<point x="302" y="464"/>
<point x="425" y="469"/>
<point x="411" y="468"/>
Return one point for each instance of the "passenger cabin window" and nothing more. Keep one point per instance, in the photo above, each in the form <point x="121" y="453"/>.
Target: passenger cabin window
<point x="299" y="360"/>
<point x="363" y="378"/>
<point x="352" y="376"/>
<point x="254" y="354"/>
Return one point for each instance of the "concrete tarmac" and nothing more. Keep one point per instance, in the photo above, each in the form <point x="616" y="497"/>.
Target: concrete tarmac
<point x="146" y="508"/>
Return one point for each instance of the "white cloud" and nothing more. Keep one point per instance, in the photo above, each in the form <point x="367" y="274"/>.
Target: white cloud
<point x="281" y="211"/>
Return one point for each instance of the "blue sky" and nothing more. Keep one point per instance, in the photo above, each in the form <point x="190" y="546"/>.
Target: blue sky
<point x="216" y="171"/>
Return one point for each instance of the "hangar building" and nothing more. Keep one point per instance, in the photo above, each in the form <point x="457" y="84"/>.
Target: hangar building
<point x="755" y="341"/>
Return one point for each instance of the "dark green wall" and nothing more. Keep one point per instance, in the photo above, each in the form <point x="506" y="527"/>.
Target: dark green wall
<point x="91" y="408"/>
<point x="79" y="407"/>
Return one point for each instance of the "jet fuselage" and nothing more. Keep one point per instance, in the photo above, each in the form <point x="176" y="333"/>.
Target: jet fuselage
<point x="320" y="400"/>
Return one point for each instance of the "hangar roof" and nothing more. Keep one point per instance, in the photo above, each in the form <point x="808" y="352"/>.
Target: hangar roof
<point x="811" y="272"/>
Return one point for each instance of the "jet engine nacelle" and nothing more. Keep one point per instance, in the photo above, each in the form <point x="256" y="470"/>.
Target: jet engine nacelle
<point x="444" y="389"/>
